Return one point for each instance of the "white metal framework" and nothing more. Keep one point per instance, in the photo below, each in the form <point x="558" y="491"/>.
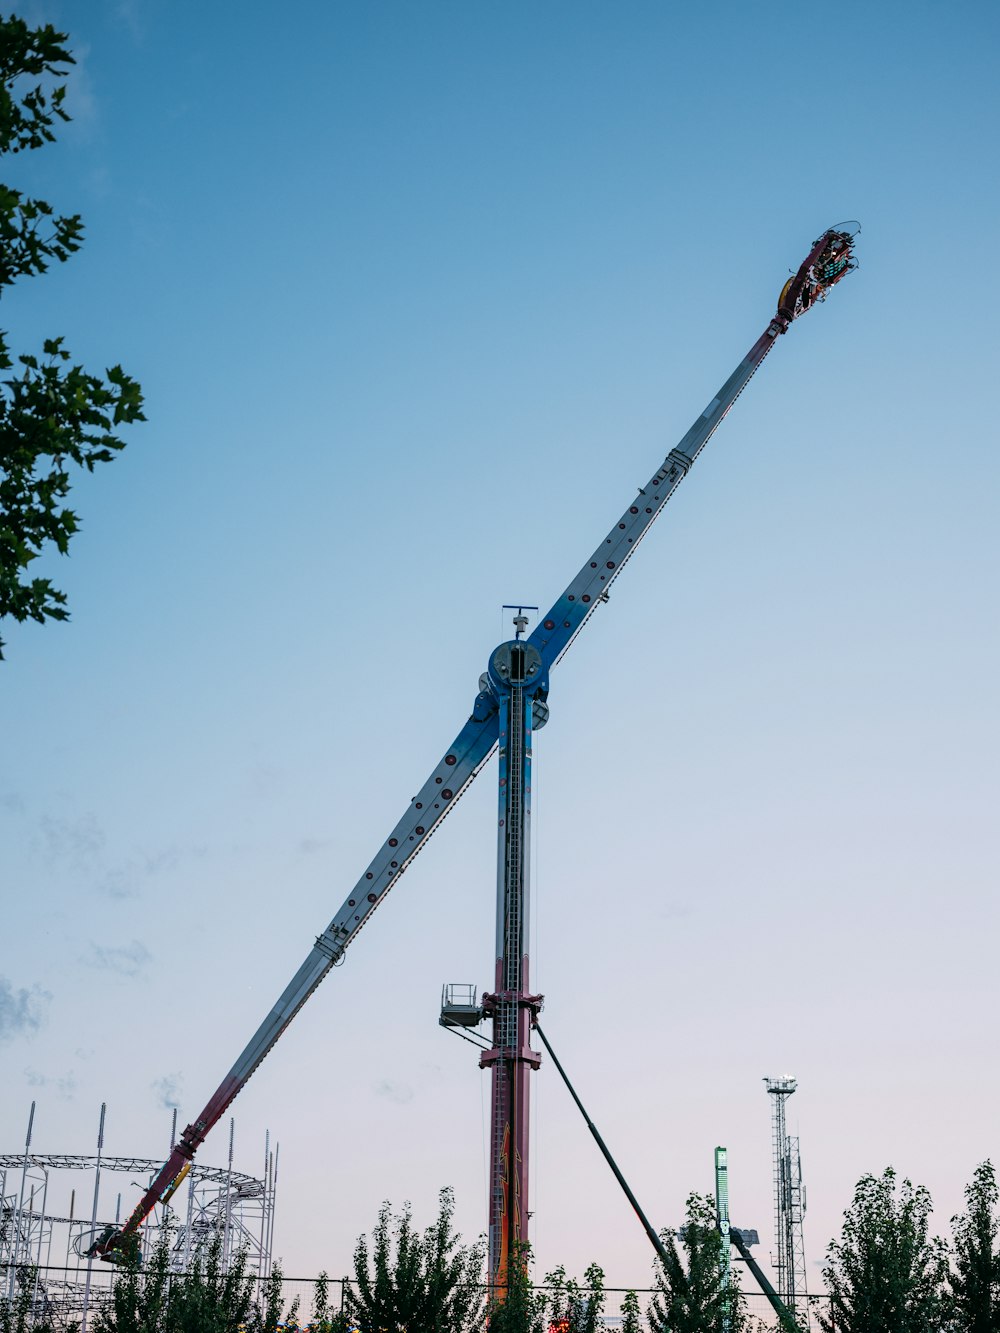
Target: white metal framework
<point x="789" y="1204"/>
<point x="52" y="1206"/>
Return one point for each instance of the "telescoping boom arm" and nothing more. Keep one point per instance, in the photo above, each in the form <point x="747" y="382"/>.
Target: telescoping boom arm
<point x="832" y="255"/>
<point x="830" y="258"/>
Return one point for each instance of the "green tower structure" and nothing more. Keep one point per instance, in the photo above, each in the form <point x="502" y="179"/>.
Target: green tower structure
<point x="722" y="1208"/>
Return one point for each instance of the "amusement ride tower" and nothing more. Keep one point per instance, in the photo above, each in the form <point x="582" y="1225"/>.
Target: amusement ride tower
<point x="509" y="707"/>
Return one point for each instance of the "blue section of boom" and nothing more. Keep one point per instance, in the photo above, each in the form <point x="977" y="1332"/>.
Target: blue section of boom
<point x="553" y="635"/>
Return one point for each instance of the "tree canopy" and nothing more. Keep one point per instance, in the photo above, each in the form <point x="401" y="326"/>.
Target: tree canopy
<point x="694" y="1296"/>
<point x="975" y="1278"/>
<point x="407" y="1280"/>
<point x="213" y="1297"/>
<point x="886" y="1274"/>
<point x="54" y="415"/>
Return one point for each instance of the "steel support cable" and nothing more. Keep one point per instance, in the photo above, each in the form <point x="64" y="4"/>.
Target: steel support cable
<point x="786" y="1319"/>
<point x="479" y="1045"/>
<point x="668" y="1258"/>
<point x="671" y="1263"/>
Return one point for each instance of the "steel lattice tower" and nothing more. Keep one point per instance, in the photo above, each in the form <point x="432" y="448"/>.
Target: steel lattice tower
<point x="789" y="1204"/>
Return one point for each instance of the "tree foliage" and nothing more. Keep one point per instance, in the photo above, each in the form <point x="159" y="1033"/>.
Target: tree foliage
<point x="631" y="1314"/>
<point x="54" y="415"/>
<point x="325" y="1319"/>
<point x="575" y="1307"/>
<point x="692" y="1295"/>
<point x="25" y="1311"/>
<point x="886" y="1274"/>
<point x="975" y="1280"/>
<point x="211" y="1298"/>
<point x="405" y="1280"/>
<point x="521" y="1308"/>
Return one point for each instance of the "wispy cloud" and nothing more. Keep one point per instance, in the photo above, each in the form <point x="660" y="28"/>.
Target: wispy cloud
<point x="23" y="1011"/>
<point x="310" y="846"/>
<point x="128" y="879"/>
<point x="132" y="15"/>
<point x="400" y="1093"/>
<point x="125" y="960"/>
<point x="168" y="1091"/>
<point x="65" y="1085"/>
<point x="119" y="884"/>
<point x="79" y="841"/>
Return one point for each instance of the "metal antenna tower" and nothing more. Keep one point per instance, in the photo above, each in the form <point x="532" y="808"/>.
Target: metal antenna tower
<point x="789" y="1203"/>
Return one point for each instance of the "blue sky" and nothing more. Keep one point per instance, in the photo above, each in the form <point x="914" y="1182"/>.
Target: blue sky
<point x="418" y="295"/>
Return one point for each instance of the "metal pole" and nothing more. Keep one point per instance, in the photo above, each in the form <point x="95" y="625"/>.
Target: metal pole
<point x="261" y="1274"/>
<point x="785" y="1318"/>
<point x="190" y="1222"/>
<point x="226" y="1215"/>
<point x="11" y="1280"/>
<point x="93" y="1219"/>
<point x="274" y="1198"/>
<point x="69" y="1229"/>
<point x="7" y="1254"/>
<point x="41" y="1235"/>
<point x="146" y="1234"/>
<point x="48" y="1248"/>
<point x="166" y="1210"/>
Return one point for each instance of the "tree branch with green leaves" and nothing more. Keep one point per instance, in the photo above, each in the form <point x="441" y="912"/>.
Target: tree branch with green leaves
<point x="54" y="415"/>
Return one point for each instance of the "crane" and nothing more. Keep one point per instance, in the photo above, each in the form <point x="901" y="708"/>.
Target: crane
<point x="509" y="707"/>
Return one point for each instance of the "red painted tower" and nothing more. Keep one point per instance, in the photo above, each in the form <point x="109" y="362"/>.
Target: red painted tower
<point x="519" y="681"/>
